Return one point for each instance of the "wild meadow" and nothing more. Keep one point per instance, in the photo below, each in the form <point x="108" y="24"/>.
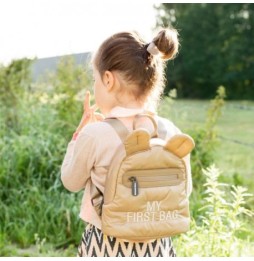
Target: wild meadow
<point x="39" y="217"/>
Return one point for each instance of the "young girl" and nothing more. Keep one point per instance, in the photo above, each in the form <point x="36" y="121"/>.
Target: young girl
<point x="128" y="80"/>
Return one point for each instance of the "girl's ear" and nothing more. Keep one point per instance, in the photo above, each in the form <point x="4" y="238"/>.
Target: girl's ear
<point x="108" y="80"/>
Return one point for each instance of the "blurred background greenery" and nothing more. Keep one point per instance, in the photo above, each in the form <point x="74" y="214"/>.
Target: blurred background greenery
<point x="209" y="95"/>
<point x="216" y="41"/>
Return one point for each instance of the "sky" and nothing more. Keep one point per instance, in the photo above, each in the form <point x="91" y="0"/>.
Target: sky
<point x="46" y="28"/>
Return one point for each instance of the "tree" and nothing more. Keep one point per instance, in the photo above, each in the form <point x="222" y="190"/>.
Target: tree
<point x="216" y="49"/>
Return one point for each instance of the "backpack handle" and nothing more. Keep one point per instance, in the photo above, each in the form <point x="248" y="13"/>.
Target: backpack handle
<point x="155" y="132"/>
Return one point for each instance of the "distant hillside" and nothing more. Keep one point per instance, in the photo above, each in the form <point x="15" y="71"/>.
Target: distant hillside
<point x="41" y="65"/>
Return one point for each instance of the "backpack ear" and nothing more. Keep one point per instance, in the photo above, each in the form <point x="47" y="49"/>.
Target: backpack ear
<point x="138" y="140"/>
<point x="180" y="145"/>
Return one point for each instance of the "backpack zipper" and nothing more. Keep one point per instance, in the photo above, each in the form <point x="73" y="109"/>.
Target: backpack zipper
<point x="134" y="185"/>
<point x="136" y="179"/>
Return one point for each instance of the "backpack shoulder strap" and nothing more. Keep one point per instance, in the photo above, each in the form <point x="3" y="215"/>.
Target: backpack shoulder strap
<point x="119" y="127"/>
<point x="97" y="198"/>
<point x="122" y="131"/>
<point x="162" y="131"/>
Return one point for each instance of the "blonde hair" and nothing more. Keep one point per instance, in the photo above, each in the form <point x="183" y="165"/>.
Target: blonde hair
<point x="126" y="52"/>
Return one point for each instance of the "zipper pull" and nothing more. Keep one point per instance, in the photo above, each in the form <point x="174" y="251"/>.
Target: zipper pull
<point x="134" y="186"/>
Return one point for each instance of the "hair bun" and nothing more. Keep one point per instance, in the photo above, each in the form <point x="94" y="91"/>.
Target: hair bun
<point x="167" y="43"/>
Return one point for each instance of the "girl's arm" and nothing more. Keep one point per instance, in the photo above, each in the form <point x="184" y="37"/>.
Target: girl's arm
<point x="78" y="162"/>
<point x="80" y="155"/>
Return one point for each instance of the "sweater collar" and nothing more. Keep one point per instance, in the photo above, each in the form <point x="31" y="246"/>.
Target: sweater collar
<point x="119" y="111"/>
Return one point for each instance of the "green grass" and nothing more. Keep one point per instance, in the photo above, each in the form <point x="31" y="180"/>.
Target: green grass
<point x="235" y="124"/>
<point x="235" y="160"/>
<point x="47" y="250"/>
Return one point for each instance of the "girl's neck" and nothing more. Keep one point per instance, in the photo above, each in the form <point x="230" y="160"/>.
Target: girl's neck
<point x="130" y="104"/>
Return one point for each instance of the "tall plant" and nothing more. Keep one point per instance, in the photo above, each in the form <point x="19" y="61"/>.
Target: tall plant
<point x="221" y="221"/>
<point x="15" y="81"/>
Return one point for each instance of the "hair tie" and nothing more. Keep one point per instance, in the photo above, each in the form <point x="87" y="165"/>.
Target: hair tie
<point x="152" y="49"/>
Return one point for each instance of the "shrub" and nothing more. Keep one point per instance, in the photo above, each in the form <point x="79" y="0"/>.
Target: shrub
<point x="221" y="221"/>
<point x="33" y="200"/>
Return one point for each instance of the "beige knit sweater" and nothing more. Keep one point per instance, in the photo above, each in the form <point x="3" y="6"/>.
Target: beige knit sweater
<point x="88" y="158"/>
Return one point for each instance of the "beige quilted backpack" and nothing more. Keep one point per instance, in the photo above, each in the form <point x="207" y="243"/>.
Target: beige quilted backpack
<point x="145" y="194"/>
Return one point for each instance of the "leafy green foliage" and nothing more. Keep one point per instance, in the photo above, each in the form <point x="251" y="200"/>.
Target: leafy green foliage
<point x="14" y="84"/>
<point x="216" y="42"/>
<point x="206" y="138"/>
<point x="33" y="200"/>
<point x="217" y="233"/>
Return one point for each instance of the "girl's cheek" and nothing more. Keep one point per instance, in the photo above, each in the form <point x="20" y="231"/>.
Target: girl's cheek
<point x="94" y="91"/>
<point x="96" y="99"/>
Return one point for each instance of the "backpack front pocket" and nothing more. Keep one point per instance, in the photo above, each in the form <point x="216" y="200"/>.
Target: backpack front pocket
<point x="136" y="179"/>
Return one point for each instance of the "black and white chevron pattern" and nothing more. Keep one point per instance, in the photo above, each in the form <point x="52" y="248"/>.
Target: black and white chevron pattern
<point x="94" y="244"/>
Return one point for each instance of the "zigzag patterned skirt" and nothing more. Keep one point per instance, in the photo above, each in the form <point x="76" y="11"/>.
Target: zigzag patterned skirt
<point x="95" y="244"/>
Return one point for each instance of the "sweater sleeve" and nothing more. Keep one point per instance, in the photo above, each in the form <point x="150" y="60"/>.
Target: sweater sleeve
<point x="78" y="162"/>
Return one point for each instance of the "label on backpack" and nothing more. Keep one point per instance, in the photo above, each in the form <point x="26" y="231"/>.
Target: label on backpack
<point x="153" y="213"/>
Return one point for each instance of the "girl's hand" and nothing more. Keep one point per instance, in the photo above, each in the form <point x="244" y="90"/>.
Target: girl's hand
<point x="89" y="114"/>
